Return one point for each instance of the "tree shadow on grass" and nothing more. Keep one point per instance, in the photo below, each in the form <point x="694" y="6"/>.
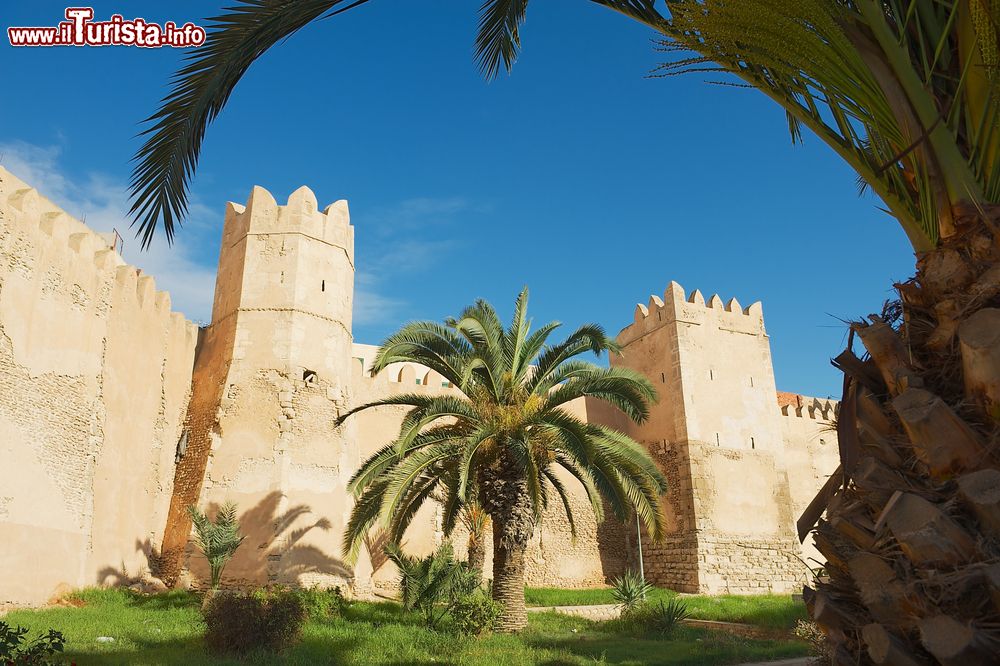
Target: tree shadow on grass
<point x="683" y="646"/>
<point x="167" y="600"/>
<point x="192" y="652"/>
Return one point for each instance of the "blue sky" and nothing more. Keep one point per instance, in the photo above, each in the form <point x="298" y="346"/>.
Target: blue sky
<point x="577" y="175"/>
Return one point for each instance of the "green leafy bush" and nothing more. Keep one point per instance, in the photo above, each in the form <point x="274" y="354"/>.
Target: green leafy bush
<point x="266" y="619"/>
<point x="320" y="603"/>
<point x="16" y="650"/>
<point x="433" y="584"/>
<point x="475" y="614"/>
<point x="630" y="590"/>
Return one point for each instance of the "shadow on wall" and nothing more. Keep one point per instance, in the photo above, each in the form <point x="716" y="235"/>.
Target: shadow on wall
<point x="123" y="577"/>
<point x="273" y="550"/>
<point x="615" y="546"/>
<point x="375" y="543"/>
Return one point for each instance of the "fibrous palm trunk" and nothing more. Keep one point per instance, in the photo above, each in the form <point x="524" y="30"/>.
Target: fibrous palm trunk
<point x="477" y="554"/>
<point x="912" y="527"/>
<point x="506" y="500"/>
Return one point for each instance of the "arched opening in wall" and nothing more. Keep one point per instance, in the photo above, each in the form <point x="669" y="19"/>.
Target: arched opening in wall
<point x="753" y="444"/>
<point x="322" y="285"/>
<point x="406" y="374"/>
<point x="711" y="375"/>
<point x="663" y="378"/>
<point x="309" y="376"/>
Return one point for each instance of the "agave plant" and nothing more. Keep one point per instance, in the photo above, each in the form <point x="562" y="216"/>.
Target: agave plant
<point x="629" y="590"/>
<point x="217" y="540"/>
<point x="664" y="617"/>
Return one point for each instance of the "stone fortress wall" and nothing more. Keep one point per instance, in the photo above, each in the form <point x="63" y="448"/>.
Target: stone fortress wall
<point x="153" y="416"/>
<point x="740" y="470"/>
<point x="95" y="372"/>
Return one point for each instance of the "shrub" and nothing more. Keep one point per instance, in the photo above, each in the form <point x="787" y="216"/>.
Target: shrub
<point x="475" y="614"/>
<point x="432" y="585"/>
<point x="819" y="644"/>
<point x="319" y="603"/>
<point x="630" y="590"/>
<point x="16" y="651"/>
<point x="661" y="617"/>
<point x="266" y="619"/>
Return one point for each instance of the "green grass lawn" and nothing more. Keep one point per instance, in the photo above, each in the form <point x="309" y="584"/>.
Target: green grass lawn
<point x="772" y="611"/>
<point x="167" y="629"/>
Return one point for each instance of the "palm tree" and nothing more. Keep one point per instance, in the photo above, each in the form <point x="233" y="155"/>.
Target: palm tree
<point x="504" y="437"/>
<point x="906" y="92"/>
<point x="476" y="521"/>
<point x="217" y="540"/>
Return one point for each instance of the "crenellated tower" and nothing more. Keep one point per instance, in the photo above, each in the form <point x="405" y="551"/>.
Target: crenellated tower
<point x="716" y="432"/>
<point x="271" y="377"/>
<point x="288" y="272"/>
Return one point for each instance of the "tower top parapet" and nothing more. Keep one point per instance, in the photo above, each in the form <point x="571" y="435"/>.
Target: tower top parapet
<point x="677" y="306"/>
<point x="301" y="214"/>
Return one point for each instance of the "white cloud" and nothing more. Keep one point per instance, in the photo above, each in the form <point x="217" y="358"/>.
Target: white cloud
<point x="400" y="241"/>
<point x="371" y="306"/>
<point x="102" y="202"/>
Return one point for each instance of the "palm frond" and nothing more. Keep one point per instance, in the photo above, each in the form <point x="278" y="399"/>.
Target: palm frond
<point x="167" y="159"/>
<point x="498" y="40"/>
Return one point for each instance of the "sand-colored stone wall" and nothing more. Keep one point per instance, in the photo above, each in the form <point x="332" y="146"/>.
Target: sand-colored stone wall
<point x="94" y="379"/>
<point x="717" y="434"/>
<point x="812" y="454"/>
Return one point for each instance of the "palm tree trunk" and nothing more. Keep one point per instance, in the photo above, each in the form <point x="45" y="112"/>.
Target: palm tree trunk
<point x="506" y="500"/>
<point x="912" y="534"/>
<point x="477" y="555"/>
<point x="509" y="546"/>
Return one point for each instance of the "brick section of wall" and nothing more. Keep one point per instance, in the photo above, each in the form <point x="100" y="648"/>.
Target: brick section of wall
<point x="746" y="565"/>
<point x="673" y="562"/>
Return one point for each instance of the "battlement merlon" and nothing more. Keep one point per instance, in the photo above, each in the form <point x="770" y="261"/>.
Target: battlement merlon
<point x="262" y="215"/>
<point x="80" y="251"/>
<point x="817" y="409"/>
<point x="677" y="306"/>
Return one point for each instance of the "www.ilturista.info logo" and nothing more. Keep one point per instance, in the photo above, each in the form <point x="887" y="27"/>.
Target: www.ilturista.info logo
<point x="79" y="29"/>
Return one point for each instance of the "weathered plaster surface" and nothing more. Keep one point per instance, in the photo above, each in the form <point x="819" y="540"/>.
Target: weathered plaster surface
<point x="94" y="378"/>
